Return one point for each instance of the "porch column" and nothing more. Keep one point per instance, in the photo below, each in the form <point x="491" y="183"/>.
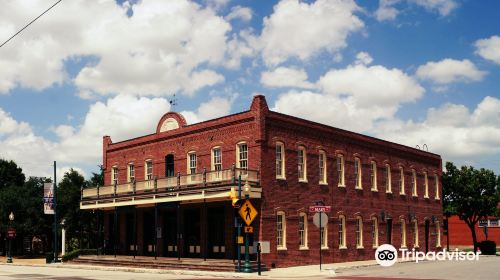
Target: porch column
<point x="115" y="231"/>
<point x="135" y="231"/>
<point x="204" y="231"/>
<point x="155" y="232"/>
<point x="179" y="232"/>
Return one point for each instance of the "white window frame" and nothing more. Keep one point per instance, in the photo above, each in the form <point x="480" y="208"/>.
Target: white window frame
<point x="359" y="232"/>
<point x="192" y="162"/>
<point x="402" y="181"/>
<point x="358" y="174"/>
<point x="342" y="232"/>
<point x="303" y="238"/>
<point x="402" y="229"/>
<point x="438" y="234"/>
<point x="242" y="155"/>
<point x="426" y="185"/>
<point x="216" y="161"/>
<point x="341" y="170"/>
<point x="415" y="234"/>
<point x="322" y="167"/>
<point x="280" y="160"/>
<point x="114" y="175"/>
<point x="373" y="176"/>
<point x="374" y="232"/>
<point x="436" y="185"/>
<point x="281" y="228"/>
<point x="388" y="179"/>
<point x="414" y="191"/>
<point x="148" y="176"/>
<point x="324" y="237"/>
<point x="130" y="172"/>
<point x="302" y="164"/>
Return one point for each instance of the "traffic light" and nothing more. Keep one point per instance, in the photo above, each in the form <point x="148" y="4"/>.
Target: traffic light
<point x="234" y="199"/>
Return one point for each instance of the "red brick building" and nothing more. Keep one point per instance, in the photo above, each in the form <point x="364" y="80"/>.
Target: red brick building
<point x="170" y="190"/>
<point x="461" y="237"/>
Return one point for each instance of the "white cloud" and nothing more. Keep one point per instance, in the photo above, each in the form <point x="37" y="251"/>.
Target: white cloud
<point x="155" y="52"/>
<point x="449" y="71"/>
<point x="469" y="135"/>
<point x="363" y="58"/>
<point x="353" y="98"/>
<point x="387" y="10"/>
<point x="286" y="77"/>
<point x="489" y="48"/>
<point x="300" y="30"/>
<point x="239" y="12"/>
<point x="216" y="107"/>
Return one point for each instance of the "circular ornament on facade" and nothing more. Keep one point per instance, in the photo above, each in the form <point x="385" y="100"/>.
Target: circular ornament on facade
<point x="170" y="121"/>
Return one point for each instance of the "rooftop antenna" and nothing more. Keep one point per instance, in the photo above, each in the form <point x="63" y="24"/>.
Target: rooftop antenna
<point x="173" y="103"/>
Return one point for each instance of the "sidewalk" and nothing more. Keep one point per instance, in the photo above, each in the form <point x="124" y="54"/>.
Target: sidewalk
<point x="3" y="259"/>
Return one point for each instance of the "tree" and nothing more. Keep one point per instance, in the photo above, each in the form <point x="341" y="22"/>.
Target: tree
<point x="97" y="179"/>
<point x="10" y="174"/>
<point x="470" y="194"/>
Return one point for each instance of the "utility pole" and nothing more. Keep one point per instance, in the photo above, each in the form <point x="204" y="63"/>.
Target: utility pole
<point x="55" y="213"/>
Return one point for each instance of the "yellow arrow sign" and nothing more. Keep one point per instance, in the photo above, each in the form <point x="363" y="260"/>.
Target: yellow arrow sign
<point x="248" y="212"/>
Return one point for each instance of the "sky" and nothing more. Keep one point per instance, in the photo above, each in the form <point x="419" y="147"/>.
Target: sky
<point x="413" y="72"/>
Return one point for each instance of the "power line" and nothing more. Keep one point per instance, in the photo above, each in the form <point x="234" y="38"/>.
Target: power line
<point x="29" y="23"/>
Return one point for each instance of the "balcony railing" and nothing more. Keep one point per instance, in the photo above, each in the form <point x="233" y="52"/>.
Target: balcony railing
<point x="181" y="182"/>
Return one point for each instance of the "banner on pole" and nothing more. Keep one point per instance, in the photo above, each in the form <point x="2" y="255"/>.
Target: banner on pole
<point x="48" y="198"/>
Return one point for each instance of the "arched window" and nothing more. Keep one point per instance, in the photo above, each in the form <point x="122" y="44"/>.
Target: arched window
<point x="191" y="162"/>
<point x="242" y="155"/>
<point x="359" y="232"/>
<point x="426" y="185"/>
<point x="148" y="173"/>
<point x="280" y="160"/>
<point x="374" y="232"/>
<point x="322" y="167"/>
<point x="342" y="233"/>
<point x="303" y="230"/>
<point x="436" y="180"/>
<point x="302" y="163"/>
<point x="131" y="172"/>
<point x="340" y="170"/>
<point x="216" y="158"/>
<point x="401" y="181"/>
<point x="357" y="173"/>
<point x="388" y="180"/>
<point x="414" y="182"/>
<point x="403" y="232"/>
<point x="114" y="175"/>
<point x="415" y="233"/>
<point x="373" y="175"/>
<point x="281" y="230"/>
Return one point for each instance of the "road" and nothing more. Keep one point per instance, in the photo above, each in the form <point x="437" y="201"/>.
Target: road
<point x="486" y="268"/>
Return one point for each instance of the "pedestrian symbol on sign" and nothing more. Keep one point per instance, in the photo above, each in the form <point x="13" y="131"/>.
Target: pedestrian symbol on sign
<point x="248" y="212"/>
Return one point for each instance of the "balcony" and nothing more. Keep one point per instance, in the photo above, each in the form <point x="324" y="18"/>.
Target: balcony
<point x="207" y="185"/>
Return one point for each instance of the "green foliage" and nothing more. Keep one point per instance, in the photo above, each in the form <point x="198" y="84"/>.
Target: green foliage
<point x="10" y="174"/>
<point x="79" y="252"/>
<point x="97" y="179"/>
<point x="488" y="247"/>
<point x="470" y="193"/>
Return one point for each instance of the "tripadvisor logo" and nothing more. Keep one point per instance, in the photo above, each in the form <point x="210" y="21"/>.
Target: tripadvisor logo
<point x="386" y="255"/>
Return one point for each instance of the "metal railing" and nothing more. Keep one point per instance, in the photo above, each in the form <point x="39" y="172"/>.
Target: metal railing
<point x="166" y="184"/>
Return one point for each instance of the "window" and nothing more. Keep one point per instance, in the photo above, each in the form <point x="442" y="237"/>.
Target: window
<point x="340" y="170"/>
<point x="401" y="181"/>
<point x="280" y="160"/>
<point x="403" y="233"/>
<point x="281" y="231"/>
<point x="242" y="156"/>
<point x="324" y="237"/>
<point x="415" y="233"/>
<point x="149" y="170"/>
<point x="357" y="173"/>
<point x="192" y="163"/>
<point x="114" y="175"/>
<point x="436" y="182"/>
<point x="426" y="185"/>
<point x="374" y="232"/>
<point x="438" y="234"/>
<point x="322" y="167"/>
<point x="216" y="159"/>
<point x="303" y="230"/>
<point x="302" y="163"/>
<point x="373" y="175"/>
<point x="388" y="183"/>
<point x="359" y="232"/>
<point x="342" y="233"/>
<point x="414" y="182"/>
<point x="131" y="172"/>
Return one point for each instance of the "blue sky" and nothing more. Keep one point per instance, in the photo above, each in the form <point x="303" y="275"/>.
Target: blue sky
<point x="408" y="71"/>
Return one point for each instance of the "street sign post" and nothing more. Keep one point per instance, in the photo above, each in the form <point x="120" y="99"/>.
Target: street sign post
<point x="11" y="233"/>
<point x="320" y="209"/>
<point x="320" y="219"/>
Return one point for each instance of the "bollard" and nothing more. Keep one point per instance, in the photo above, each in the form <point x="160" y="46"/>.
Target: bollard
<point x="258" y="258"/>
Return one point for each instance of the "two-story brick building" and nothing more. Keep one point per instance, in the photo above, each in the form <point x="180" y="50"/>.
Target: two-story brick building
<point x="167" y="193"/>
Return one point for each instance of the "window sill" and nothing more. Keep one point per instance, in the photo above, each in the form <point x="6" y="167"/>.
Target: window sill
<point x="323" y="183"/>
<point x="426" y="197"/>
<point x="403" y="247"/>
<point x="281" y="178"/>
<point x="324" y="248"/>
<point x="303" y="248"/>
<point x="416" y="247"/>
<point x="403" y="194"/>
<point x="360" y="247"/>
<point x="437" y="198"/>
<point x="341" y="186"/>
<point x="302" y="181"/>
<point x="374" y="190"/>
<point x="415" y="195"/>
<point x="388" y="192"/>
<point x="343" y="247"/>
<point x="374" y="247"/>
<point x="281" y="249"/>
<point x="358" y="188"/>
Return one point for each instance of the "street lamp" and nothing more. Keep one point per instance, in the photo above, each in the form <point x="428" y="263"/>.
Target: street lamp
<point x="246" y="267"/>
<point x="11" y="219"/>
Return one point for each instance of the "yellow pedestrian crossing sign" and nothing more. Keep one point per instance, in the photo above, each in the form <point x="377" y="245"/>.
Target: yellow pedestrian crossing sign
<point x="248" y="212"/>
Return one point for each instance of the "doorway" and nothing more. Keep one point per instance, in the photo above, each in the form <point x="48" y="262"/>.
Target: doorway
<point x="170" y="247"/>
<point x="192" y="231"/>
<point x="427" y="236"/>
<point x="169" y="166"/>
<point x="216" y="236"/>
